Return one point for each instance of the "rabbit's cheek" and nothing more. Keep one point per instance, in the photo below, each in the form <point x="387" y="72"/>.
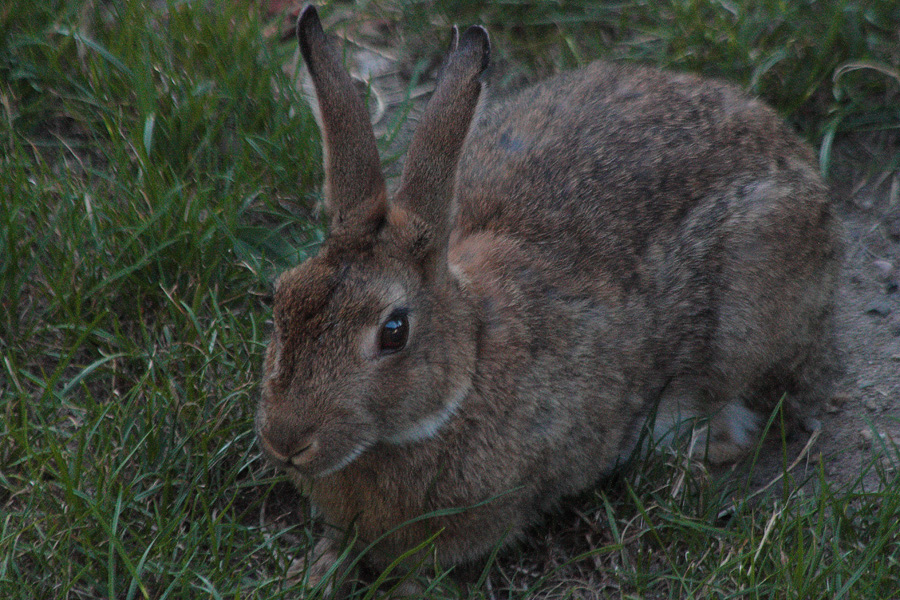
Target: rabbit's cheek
<point x="430" y="424"/>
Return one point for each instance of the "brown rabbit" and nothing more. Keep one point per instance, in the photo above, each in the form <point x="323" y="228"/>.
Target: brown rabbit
<point x="611" y="244"/>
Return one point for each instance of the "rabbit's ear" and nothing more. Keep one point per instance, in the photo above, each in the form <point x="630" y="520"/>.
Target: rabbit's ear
<point x="429" y="175"/>
<point x="355" y="193"/>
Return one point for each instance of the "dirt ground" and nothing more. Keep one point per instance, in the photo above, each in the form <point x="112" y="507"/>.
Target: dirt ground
<point x="863" y="417"/>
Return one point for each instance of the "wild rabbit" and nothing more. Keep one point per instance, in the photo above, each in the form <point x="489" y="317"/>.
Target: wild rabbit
<point x="612" y="244"/>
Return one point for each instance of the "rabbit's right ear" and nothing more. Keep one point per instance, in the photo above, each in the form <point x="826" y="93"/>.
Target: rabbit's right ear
<point x="429" y="175"/>
<point x="355" y="193"/>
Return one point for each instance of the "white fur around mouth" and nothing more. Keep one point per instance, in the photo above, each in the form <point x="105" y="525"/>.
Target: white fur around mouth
<point x="431" y="424"/>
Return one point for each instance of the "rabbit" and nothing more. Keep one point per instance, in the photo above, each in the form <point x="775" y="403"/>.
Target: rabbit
<point x="614" y="249"/>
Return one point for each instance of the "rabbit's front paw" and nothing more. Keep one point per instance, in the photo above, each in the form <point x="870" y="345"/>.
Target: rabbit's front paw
<point x="319" y="568"/>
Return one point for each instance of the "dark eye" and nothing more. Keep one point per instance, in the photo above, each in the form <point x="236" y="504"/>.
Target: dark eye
<point x="394" y="333"/>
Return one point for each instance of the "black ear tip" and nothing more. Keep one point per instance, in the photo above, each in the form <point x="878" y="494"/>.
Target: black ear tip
<point x="477" y="37"/>
<point x="309" y="28"/>
<point x="308" y="23"/>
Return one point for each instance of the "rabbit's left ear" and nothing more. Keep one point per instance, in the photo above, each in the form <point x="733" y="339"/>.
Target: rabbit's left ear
<point x="355" y="193"/>
<point x="429" y="174"/>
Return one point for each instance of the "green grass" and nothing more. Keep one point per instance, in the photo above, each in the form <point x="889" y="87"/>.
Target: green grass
<point x="148" y="157"/>
<point x="157" y="168"/>
<point x="830" y="66"/>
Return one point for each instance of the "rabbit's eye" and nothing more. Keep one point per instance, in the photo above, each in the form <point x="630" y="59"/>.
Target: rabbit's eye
<point x="394" y="333"/>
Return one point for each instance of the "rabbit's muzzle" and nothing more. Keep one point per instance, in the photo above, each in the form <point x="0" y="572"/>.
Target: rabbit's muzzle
<point x="309" y="436"/>
<point x="287" y="449"/>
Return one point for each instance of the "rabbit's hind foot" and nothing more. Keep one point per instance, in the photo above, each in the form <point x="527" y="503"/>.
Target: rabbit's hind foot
<point x="720" y="437"/>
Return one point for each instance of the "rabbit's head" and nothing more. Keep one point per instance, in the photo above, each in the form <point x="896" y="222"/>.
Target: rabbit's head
<point x="373" y="339"/>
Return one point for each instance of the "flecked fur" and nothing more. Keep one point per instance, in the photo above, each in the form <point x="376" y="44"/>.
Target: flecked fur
<point x="613" y="243"/>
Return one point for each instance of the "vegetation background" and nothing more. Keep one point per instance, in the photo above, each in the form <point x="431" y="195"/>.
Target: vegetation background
<point x="158" y="168"/>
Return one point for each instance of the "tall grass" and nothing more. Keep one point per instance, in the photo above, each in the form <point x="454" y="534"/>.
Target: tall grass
<point x="830" y="66"/>
<point x="155" y="163"/>
<point x="157" y="168"/>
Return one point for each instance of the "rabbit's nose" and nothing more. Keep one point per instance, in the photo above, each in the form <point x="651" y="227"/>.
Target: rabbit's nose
<point x="302" y="457"/>
<point x="289" y="447"/>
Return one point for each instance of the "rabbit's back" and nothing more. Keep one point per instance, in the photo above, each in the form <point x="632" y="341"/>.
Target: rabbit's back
<point x="683" y="206"/>
<point x="596" y="162"/>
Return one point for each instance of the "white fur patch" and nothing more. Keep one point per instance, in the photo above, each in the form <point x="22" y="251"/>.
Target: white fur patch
<point x="349" y="458"/>
<point x="740" y="423"/>
<point x="460" y="275"/>
<point x="431" y="424"/>
<point x="729" y="432"/>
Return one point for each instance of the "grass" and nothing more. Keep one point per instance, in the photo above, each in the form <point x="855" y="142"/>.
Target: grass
<point x="157" y="169"/>
<point x="831" y="67"/>
<point x="148" y="157"/>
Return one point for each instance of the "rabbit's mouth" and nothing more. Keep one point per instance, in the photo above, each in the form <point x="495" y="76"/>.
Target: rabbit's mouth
<point x="314" y="454"/>
<point x="304" y="464"/>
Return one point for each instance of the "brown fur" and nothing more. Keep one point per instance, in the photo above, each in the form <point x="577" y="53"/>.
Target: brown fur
<point x="613" y="238"/>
